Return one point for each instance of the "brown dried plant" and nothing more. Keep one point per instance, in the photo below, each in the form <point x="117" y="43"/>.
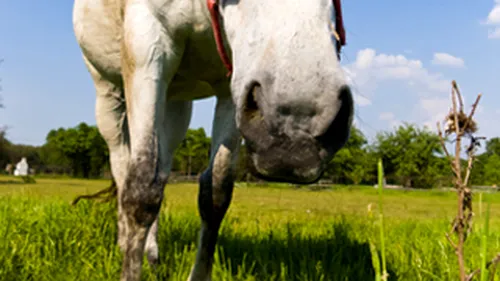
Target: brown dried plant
<point x="461" y="125"/>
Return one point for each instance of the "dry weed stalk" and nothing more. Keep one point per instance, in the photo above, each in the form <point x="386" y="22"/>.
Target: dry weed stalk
<point x="462" y="125"/>
<point x="105" y="195"/>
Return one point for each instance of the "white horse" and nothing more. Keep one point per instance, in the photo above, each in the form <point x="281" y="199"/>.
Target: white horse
<point x="149" y="59"/>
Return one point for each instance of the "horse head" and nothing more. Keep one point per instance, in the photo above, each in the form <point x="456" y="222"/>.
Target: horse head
<point x="293" y="105"/>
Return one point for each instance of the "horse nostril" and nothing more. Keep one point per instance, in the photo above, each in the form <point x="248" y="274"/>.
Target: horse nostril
<point x="337" y="131"/>
<point x="347" y="104"/>
<point x="252" y="124"/>
<point x="251" y="106"/>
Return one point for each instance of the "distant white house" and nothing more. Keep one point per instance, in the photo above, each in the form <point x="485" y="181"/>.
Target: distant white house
<point x="22" y="168"/>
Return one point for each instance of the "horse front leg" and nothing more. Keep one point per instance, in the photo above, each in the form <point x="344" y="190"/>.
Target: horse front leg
<point x="149" y="61"/>
<point x="216" y="186"/>
<point x="175" y="125"/>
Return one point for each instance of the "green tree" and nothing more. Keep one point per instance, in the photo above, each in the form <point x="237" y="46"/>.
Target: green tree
<point x="18" y="151"/>
<point x="12" y="153"/>
<point x="83" y="146"/>
<point x="4" y="143"/>
<point x="411" y="155"/>
<point x="242" y="168"/>
<point x="351" y="163"/>
<point x="492" y="170"/>
<point x="478" y="174"/>
<point x="53" y="159"/>
<point x="193" y="152"/>
<point x="4" y="150"/>
<point x="493" y="146"/>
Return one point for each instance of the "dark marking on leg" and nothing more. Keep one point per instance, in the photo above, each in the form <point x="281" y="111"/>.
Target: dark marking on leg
<point x="143" y="191"/>
<point x="212" y="213"/>
<point x="140" y="203"/>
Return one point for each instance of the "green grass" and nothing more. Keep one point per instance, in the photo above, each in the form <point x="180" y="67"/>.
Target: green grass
<point x="270" y="233"/>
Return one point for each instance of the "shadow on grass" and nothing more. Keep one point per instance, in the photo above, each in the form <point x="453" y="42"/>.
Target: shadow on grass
<point x="281" y="254"/>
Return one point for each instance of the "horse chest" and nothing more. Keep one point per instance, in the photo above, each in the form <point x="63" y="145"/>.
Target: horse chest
<point x="189" y="23"/>
<point x="200" y="67"/>
<point x="200" y="60"/>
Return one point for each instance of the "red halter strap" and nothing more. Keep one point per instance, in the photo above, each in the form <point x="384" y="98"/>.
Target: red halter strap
<point x="213" y="8"/>
<point x="339" y="25"/>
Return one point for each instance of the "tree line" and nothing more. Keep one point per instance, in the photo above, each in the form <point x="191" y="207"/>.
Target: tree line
<point x="412" y="157"/>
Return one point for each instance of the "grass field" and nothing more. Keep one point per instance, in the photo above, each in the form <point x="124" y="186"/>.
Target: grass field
<point x="270" y="233"/>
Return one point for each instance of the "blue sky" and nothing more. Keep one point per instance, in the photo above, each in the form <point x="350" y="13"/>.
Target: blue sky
<point x="400" y="57"/>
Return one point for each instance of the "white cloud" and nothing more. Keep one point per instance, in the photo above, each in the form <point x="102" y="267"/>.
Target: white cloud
<point x="493" y="19"/>
<point x="400" y="89"/>
<point x="447" y="60"/>
<point x="436" y="109"/>
<point x="365" y="58"/>
<point x="494" y="33"/>
<point x="430" y="89"/>
<point x="494" y="14"/>
<point x="371" y="68"/>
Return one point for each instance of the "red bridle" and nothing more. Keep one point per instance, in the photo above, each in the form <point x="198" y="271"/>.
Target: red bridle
<point x="213" y="7"/>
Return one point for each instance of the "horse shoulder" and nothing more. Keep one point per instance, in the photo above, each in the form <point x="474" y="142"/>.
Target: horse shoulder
<point x="98" y="28"/>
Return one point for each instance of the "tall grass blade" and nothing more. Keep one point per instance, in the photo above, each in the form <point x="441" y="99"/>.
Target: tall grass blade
<point x="381" y="216"/>
<point x="484" y="242"/>
<point x="375" y="262"/>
